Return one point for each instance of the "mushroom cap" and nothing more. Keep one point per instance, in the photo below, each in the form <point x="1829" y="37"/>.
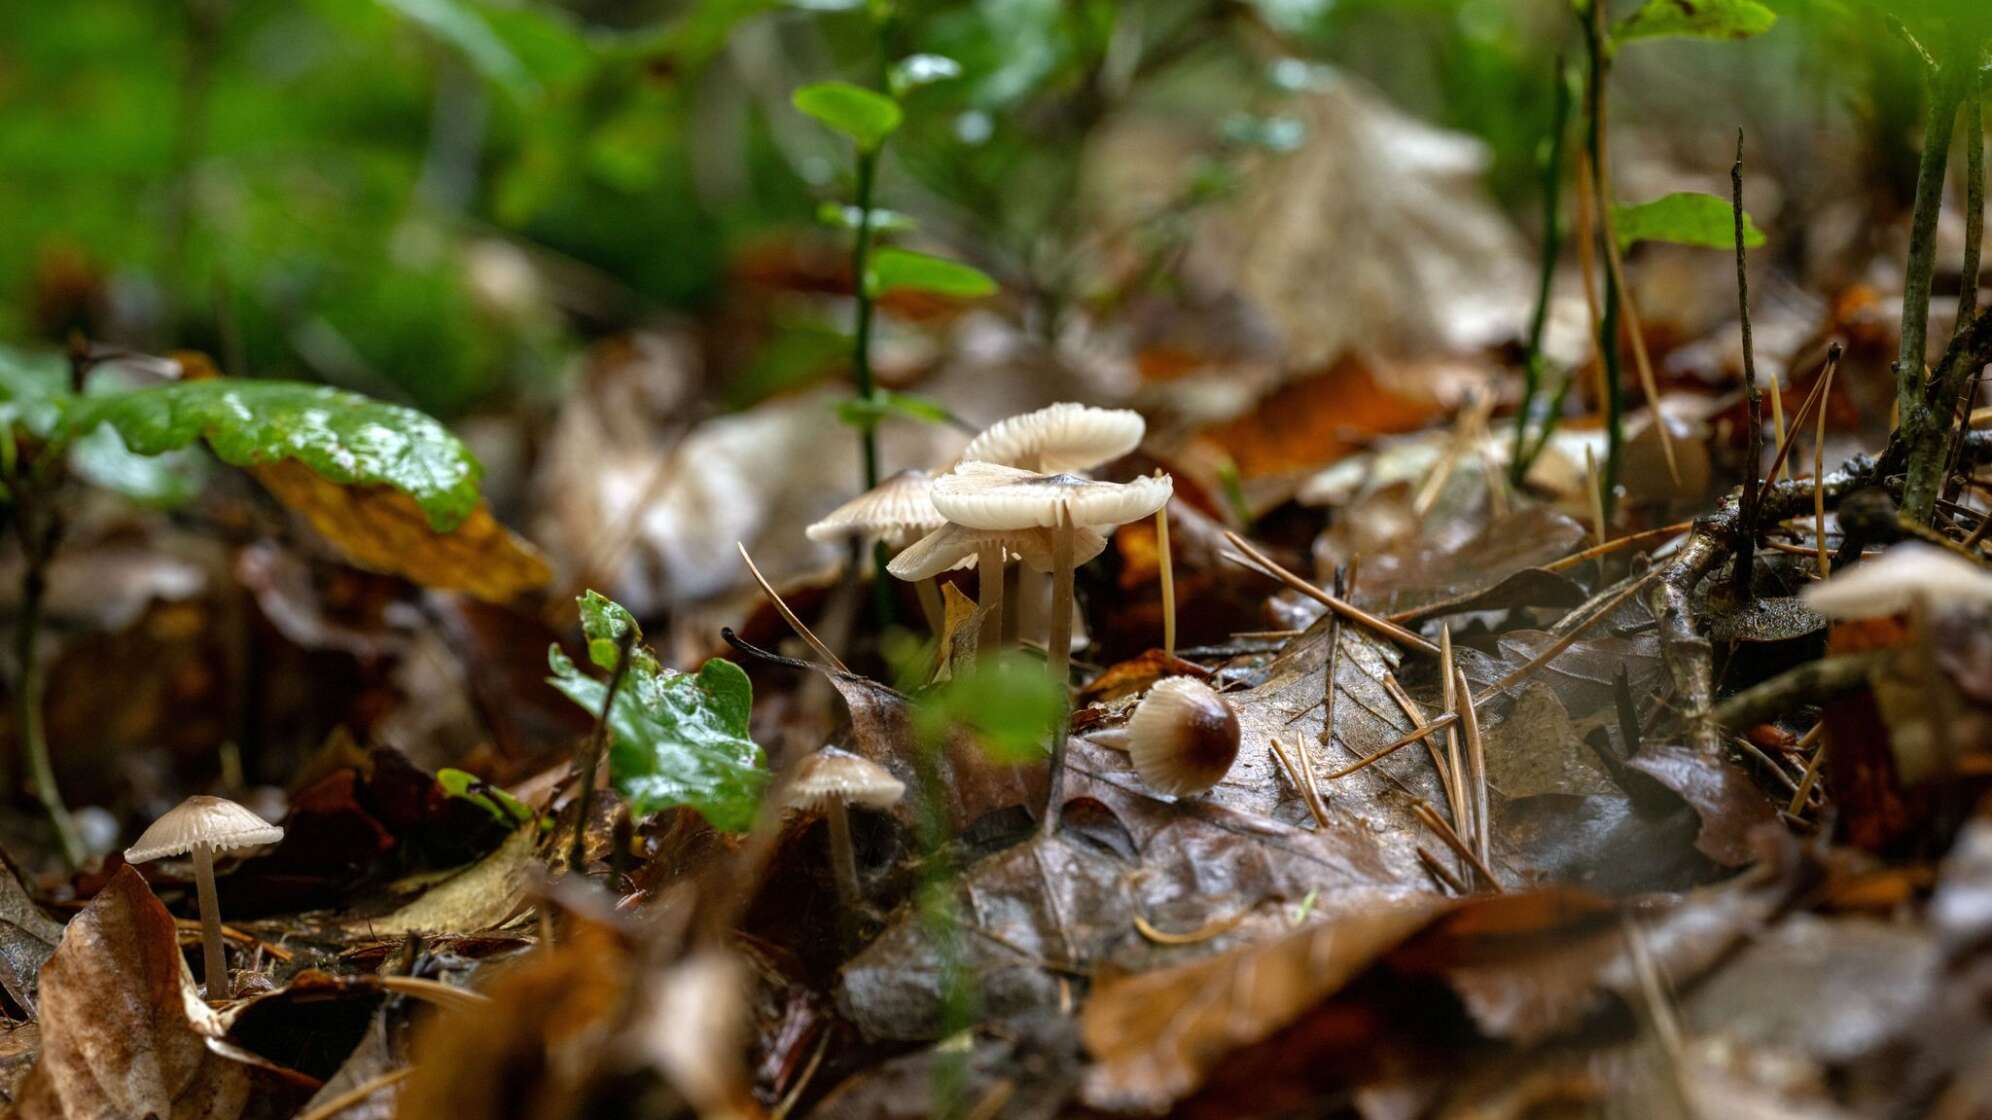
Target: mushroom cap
<point x="897" y="507"/>
<point x="1889" y="583"/>
<point x="989" y="496"/>
<point x="219" y="823"/>
<point x="832" y="774"/>
<point x="1060" y="437"/>
<point x="954" y="546"/>
<point x="1183" y="737"/>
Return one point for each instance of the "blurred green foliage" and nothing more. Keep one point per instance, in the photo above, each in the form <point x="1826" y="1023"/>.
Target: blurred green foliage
<point x="436" y="199"/>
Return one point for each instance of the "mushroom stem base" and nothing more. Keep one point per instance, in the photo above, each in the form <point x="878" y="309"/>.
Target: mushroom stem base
<point x="1058" y="657"/>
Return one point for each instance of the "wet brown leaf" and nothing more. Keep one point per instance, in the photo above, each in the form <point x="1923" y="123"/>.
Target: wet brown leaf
<point x="27" y="938"/>
<point x="382" y="529"/>
<point x="1157" y="1036"/>
<point x="124" y="1035"/>
<point x="1318" y="420"/>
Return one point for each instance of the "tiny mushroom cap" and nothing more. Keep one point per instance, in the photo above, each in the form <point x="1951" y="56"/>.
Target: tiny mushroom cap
<point x="989" y="496"/>
<point x="217" y="822"/>
<point x="1893" y="581"/>
<point x="897" y="509"/>
<point x="1061" y="437"/>
<point x="840" y="776"/>
<point x="1183" y="737"/>
<point x="952" y="546"/>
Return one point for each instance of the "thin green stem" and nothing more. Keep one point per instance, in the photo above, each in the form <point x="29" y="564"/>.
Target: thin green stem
<point x="28" y="698"/>
<point x="861" y="335"/>
<point x="1552" y="245"/>
<point x="1922" y="424"/>
<point x="1598" y="50"/>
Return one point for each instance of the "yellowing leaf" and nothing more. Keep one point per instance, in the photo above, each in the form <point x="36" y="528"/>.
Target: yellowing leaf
<point x="382" y="529"/>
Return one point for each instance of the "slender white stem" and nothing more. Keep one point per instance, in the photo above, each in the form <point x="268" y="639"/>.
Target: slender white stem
<point x="1168" y="572"/>
<point x="214" y="962"/>
<point x="989" y="568"/>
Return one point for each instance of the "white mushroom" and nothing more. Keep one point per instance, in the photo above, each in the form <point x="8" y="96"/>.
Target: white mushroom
<point x="203" y="826"/>
<point x="1897" y="579"/>
<point x="1060" y="437"/>
<point x="831" y="780"/>
<point x="894" y="513"/>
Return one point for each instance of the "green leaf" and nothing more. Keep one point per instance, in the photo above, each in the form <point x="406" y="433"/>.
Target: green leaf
<point x="341" y="436"/>
<point x="865" y="414"/>
<point x="503" y="807"/>
<point x="462" y="27"/>
<point x="895" y="269"/>
<point x="1007" y="701"/>
<point x="1701" y="19"/>
<point x="840" y="216"/>
<point x="675" y="738"/>
<point x="1683" y="218"/>
<point x="864" y="115"/>
<point x="918" y="70"/>
<point x="34" y="389"/>
<point x="157" y="481"/>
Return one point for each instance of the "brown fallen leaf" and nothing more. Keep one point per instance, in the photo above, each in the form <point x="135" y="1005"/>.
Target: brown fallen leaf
<point x="382" y="529"/>
<point x="1316" y="421"/>
<point x="1155" y="1037"/>
<point x="124" y="1034"/>
<point x="27" y="939"/>
<point x="481" y="896"/>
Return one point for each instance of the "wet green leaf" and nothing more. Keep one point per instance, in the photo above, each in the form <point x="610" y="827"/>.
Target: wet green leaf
<point x="866" y="116"/>
<point x="895" y="269"/>
<point x="675" y="738"/>
<point x="1008" y="701"/>
<point x="1702" y="19"/>
<point x="1684" y="218"/>
<point x="34" y="388"/>
<point x="341" y="436"/>
<point x="502" y="806"/>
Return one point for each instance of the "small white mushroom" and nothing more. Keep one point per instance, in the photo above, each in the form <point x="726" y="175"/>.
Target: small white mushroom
<point x="1059" y="437"/>
<point x="832" y="780"/>
<point x="1897" y="580"/>
<point x="895" y="512"/>
<point x="202" y="826"/>
<point x="1183" y="737"/>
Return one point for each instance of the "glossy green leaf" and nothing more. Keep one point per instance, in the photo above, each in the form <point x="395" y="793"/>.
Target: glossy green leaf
<point x="34" y="389"/>
<point x="675" y="738"/>
<point x="1700" y="19"/>
<point x="463" y="27"/>
<point x="158" y="481"/>
<point x="896" y="269"/>
<point x="918" y="70"/>
<point x="342" y="436"/>
<point x="866" y="116"/>
<point x="1684" y="218"/>
<point x="865" y="414"/>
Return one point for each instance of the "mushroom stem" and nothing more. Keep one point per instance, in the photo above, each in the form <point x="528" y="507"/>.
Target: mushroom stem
<point x="931" y="605"/>
<point x="1168" y="573"/>
<point x="989" y="568"/>
<point x="215" y="964"/>
<point x="1058" y="656"/>
<point x="843" y="864"/>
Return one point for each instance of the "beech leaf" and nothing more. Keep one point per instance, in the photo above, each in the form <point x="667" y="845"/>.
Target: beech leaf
<point x="1704" y="19"/>
<point x="1684" y="218"/>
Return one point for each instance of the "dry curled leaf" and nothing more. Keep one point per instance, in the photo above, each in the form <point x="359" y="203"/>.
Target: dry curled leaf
<point x="382" y="529"/>
<point x="124" y="1034"/>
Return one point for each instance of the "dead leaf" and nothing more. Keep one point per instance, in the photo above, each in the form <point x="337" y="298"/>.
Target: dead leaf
<point x="382" y="529"/>
<point x="482" y="896"/>
<point x="27" y="938"/>
<point x="1317" y="420"/>
<point x="1157" y="1036"/>
<point x="124" y="1034"/>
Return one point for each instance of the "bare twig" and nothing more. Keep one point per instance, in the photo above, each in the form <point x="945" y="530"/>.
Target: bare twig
<point x="1809" y="683"/>
<point x="598" y="745"/>
<point x="1272" y="568"/>
<point x="1819" y="464"/>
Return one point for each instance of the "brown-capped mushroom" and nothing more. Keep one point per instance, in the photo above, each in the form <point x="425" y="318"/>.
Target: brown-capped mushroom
<point x="1183" y="737"/>
<point x="203" y="826"/>
<point x="832" y="780"/>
